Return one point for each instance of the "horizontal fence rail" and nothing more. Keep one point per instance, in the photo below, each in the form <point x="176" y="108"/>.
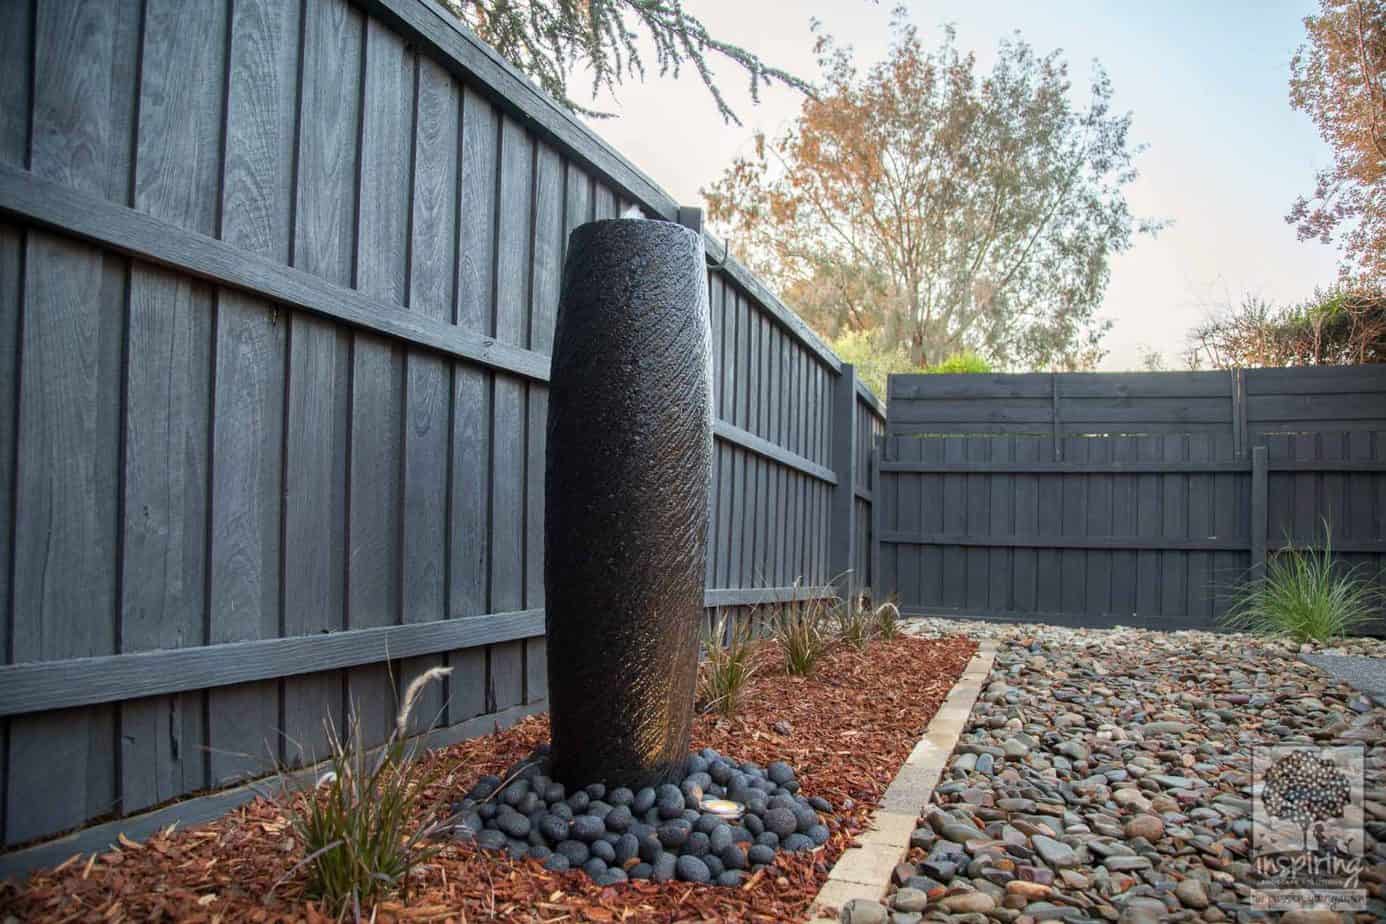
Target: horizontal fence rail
<point x="1134" y="499"/>
<point x="277" y="294"/>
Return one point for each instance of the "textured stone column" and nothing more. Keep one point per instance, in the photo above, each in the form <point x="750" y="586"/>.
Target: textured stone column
<point x="626" y="493"/>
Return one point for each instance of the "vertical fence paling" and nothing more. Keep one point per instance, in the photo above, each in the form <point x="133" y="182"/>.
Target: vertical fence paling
<point x="843" y="530"/>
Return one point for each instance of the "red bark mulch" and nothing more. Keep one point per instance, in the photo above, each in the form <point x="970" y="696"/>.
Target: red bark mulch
<point x="850" y="727"/>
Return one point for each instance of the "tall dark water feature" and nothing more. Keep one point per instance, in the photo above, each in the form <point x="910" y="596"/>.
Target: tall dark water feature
<point x="627" y="483"/>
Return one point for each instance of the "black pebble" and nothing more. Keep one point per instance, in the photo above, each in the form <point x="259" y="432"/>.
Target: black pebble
<point x="797" y="842"/>
<point x="779" y="772"/>
<point x="484" y="787"/>
<point x="697" y="845"/>
<point x="714" y="865"/>
<point x="741" y="836"/>
<point x="515" y="792"/>
<point x="696" y="764"/>
<point x="594" y="867"/>
<point x="553" y="828"/>
<point x="691" y="869"/>
<point x="650" y="848"/>
<point x="597" y="790"/>
<point x="821" y="804"/>
<point x="604" y="851"/>
<point x="674" y="834"/>
<point x="733" y="857"/>
<point x="669" y="801"/>
<point x="621" y="795"/>
<point x="768" y="839"/>
<point x="720" y="838"/>
<point x="618" y="819"/>
<point x="708" y="823"/>
<point x="753" y="824"/>
<point x="641" y="871"/>
<point x="487" y="811"/>
<point x="576" y="852"/>
<point x="730" y="878"/>
<point x="761" y="854"/>
<point x="539" y="852"/>
<point x="579" y="801"/>
<point x="490" y="839"/>
<point x="554" y="792"/>
<point x="599" y="808"/>
<point x="562" y="810"/>
<point x="781" y="821"/>
<point x="612" y="876"/>
<point x="588" y="828"/>
<point x="627" y="848"/>
<point x="818" y="834"/>
<point x="644" y="801"/>
<point x="557" y="863"/>
<point x="665" y="866"/>
<point x="514" y="824"/>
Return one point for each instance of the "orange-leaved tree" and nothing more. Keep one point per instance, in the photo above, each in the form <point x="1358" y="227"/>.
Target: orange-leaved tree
<point x="1339" y="78"/>
<point x="939" y="208"/>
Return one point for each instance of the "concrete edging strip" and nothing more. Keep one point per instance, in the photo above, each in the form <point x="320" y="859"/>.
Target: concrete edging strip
<point x="864" y="871"/>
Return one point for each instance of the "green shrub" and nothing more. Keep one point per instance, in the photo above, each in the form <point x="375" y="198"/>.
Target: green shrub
<point x="355" y="822"/>
<point x="799" y="633"/>
<point x="966" y="361"/>
<point x="728" y="665"/>
<point x="1305" y="597"/>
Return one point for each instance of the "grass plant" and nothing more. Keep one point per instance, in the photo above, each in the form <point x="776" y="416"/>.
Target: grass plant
<point x="1305" y="595"/>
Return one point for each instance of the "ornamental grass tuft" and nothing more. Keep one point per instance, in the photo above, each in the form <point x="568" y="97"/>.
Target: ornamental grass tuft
<point x="855" y="622"/>
<point x="1306" y="596"/>
<point x="728" y="664"/>
<point x="800" y="632"/>
<point x="887" y="620"/>
<point x="358" y="821"/>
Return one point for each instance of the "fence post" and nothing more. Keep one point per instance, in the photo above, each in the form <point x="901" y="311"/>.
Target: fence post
<point x="878" y="591"/>
<point x="842" y="524"/>
<point x="1258" y="512"/>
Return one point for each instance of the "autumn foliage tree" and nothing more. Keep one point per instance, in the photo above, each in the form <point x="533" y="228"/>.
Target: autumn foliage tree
<point x="1339" y="78"/>
<point x="941" y="209"/>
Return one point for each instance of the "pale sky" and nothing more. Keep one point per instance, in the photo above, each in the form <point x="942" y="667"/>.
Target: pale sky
<point x="1207" y="83"/>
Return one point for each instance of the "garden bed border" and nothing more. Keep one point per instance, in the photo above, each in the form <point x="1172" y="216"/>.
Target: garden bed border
<point x="863" y="871"/>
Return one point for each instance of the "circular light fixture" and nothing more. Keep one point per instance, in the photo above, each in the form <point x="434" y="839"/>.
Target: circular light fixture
<point x="724" y="807"/>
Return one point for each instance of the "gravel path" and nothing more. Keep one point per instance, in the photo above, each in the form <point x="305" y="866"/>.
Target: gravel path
<point x="1106" y="776"/>
<point x="1366" y="674"/>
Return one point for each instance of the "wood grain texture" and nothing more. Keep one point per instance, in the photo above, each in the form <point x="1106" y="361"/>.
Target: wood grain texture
<point x="249" y="373"/>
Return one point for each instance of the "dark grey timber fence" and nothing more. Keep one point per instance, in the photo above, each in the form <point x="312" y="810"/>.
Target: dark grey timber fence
<point x="1133" y="499"/>
<point x="277" y="291"/>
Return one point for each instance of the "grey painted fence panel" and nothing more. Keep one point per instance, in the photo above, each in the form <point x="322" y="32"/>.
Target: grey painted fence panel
<point x="1151" y="506"/>
<point x="277" y="291"/>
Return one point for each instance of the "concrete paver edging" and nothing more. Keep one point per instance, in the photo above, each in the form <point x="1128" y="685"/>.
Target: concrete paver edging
<point x="864" y="871"/>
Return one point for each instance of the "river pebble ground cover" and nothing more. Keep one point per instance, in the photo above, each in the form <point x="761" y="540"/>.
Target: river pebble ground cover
<point x="1105" y="775"/>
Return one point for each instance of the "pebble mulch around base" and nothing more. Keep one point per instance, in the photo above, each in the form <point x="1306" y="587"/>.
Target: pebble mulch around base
<point x="657" y="834"/>
<point x="1106" y="776"/>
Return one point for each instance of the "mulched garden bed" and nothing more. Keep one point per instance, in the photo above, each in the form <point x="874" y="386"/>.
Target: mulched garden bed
<point x="846" y="730"/>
